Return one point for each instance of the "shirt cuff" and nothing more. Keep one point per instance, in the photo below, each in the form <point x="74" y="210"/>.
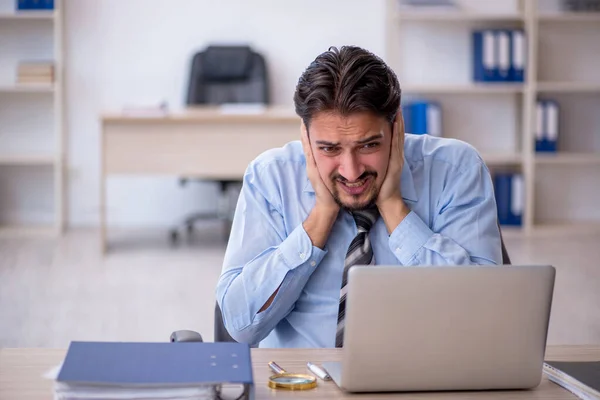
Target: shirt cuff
<point x="297" y="249"/>
<point x="408" y="237"/>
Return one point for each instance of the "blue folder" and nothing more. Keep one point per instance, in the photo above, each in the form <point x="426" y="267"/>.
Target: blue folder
<point x="485" y="56"/>
<point x="423" y="117"/>
<point x="508" y="192"/>
<point x="35" y="4"/>
<point x="156" y="364"/>
<point x="547" y="126"/>
<point x="499" y="55"/>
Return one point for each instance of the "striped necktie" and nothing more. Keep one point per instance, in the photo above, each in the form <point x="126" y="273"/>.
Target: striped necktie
<point x="359" y="253"/>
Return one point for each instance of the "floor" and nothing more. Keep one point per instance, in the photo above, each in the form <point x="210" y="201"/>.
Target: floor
<point x="53" y="291"/>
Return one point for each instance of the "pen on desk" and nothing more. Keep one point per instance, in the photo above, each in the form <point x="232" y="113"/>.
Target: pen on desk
<point x="318" y="371"/>
<point x="276" y="368"/>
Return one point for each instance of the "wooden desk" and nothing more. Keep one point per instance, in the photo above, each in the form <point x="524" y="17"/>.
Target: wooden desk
<point x="200" y="142"/>
<point x="21" y="370"/>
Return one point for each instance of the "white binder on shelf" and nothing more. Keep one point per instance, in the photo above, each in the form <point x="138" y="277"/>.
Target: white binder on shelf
<point x="552" y="121"/>
<point x="490" y="63"/>
<point x="518" y="55"/>
<point x="517" y="196"/>
<point x="434" y="119"/>
<point x="539" y="124"/>
<point x="503" y="48"/>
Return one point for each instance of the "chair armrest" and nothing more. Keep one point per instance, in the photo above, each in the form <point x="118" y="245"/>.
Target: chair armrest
<point x="186" y="336"/>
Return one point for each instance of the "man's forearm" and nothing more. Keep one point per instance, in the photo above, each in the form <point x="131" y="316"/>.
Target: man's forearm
<point x="393" y="213"/>
<point x="280" y="271"/>
<point x="318" y="226"/>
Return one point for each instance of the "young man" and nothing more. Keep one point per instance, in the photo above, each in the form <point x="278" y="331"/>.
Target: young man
<point x="354" y="190"/>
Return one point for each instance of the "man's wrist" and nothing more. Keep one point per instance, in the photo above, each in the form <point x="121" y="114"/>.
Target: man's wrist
<point x="318" y="224"/>
<point x="393" y="211"/>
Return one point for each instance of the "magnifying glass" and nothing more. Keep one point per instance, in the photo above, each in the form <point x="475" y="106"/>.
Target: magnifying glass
<point x="284" y="380"/>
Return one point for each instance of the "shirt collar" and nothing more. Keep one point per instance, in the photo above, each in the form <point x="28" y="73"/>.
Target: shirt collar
<point x="407" y="184"/>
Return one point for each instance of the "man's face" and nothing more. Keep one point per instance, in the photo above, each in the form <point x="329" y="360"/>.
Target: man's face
<point x="352" y="155"/>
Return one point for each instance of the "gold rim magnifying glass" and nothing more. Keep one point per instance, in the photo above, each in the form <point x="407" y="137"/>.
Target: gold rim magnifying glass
<point x="284" y="380"/>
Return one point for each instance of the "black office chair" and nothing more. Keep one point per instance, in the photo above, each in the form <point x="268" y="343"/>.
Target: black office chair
<point x="219" y="75"/>
<point x="220" y="332"/>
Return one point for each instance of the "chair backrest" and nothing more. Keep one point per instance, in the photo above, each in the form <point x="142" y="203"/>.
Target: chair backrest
<point x="228" y="74"/>
<point x="221" y="334"/>
<point x="505" y="257"/>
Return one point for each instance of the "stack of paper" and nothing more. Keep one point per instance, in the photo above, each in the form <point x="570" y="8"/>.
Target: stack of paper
<point x="580" y="378"/>
<point x="81" y="392"/>
<point x="186" y="371"/>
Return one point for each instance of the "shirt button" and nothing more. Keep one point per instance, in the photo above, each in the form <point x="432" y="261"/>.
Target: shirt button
<point x="313" y="263"/>
<point x="397" y="248"/>
<point x="302" y="255"/>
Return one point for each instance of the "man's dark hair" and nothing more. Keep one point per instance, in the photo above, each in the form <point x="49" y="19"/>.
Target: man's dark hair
<point x="346" y="81"/>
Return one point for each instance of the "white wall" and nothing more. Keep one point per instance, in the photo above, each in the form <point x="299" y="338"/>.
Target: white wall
<point x="137" y="52"/>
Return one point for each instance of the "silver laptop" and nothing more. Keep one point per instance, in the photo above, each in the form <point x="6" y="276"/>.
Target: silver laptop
<point x="444" y="328"/>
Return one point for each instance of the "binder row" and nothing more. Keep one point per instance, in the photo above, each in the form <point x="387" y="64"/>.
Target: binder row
<point x="499" y="55"/>
<point x="546" y="126"/>
<point x="423" y="117"/>
<point x="35" y="4"/>
<point x="510" y="200"/>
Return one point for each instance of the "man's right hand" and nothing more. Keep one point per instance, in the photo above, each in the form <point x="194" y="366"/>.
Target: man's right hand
<point x="321" y="218"/>
<point x="324" y="197"/>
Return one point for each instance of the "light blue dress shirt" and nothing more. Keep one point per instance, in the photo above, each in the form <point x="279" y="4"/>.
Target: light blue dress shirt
<point x="453" y="220"/>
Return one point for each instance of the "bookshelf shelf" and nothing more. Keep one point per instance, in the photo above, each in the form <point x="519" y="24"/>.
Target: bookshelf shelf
<point x="569" y="17"/>
<point x="568" y="87"/>
<point x="568" y="159"/>
<point x="15" y="231"/>
<point x="27" y="159"/>
<point x="457" y="16"/>
<point x="567" y="227"/>
<point x="494" y="159"/>
<point x="490" y="88"/>
<point x="29" y="15"/>
<point x="27" y="88"/>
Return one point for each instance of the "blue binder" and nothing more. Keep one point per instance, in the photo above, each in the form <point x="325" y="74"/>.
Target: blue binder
<point x="508" y="189"/>
<point x="35" y="4"/>
<point x="423" y="117"/>
<point x="547" y="126"/>
<point x="485" y="57"/>
<point x="518" y="55"/>
<point x="157" y="364"/>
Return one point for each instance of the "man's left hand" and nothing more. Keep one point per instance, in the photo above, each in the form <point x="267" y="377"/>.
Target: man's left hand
<point x="391" y="206"/>
<point x="390" y="188"/>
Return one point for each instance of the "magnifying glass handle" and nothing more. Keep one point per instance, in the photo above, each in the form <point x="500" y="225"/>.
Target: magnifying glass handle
<point x="276" y="368"/>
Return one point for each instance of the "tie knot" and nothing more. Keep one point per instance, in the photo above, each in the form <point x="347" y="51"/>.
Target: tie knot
<point x="365" y="218"/>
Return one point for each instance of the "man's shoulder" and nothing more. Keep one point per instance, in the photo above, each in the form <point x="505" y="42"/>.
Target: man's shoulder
<point x="278" y="172"/>
<point x="453" y="153"/>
